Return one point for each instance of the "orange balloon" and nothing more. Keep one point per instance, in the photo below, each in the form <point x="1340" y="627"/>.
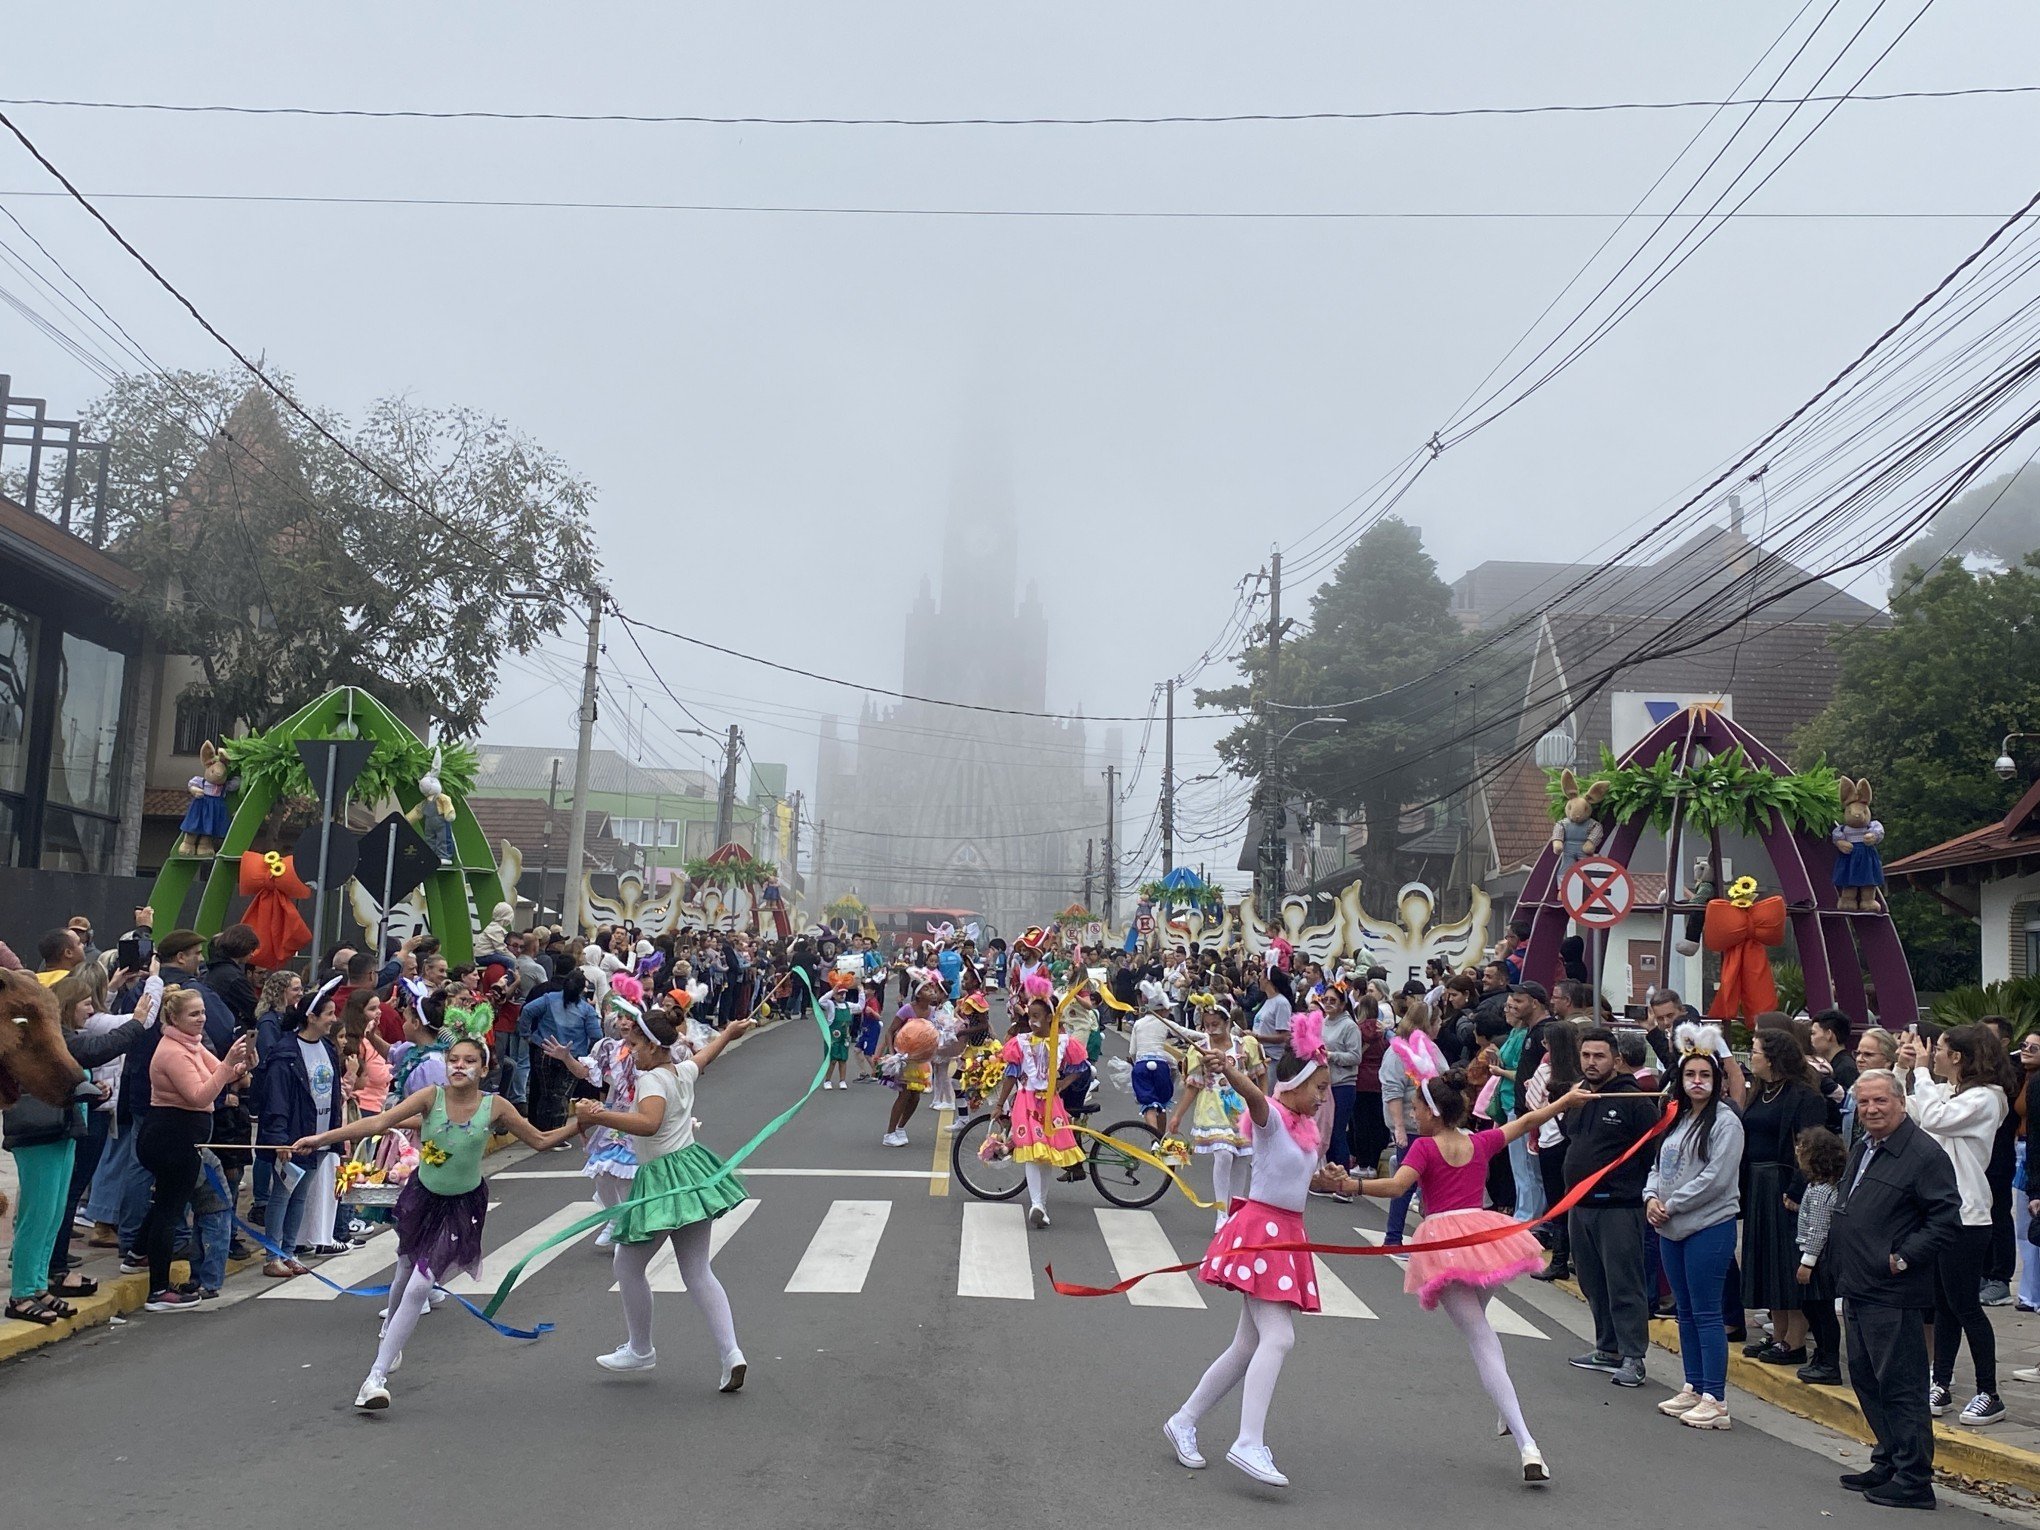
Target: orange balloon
<point x="916" y="1038"/>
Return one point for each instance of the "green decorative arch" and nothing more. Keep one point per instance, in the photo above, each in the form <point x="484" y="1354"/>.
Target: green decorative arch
<point x="347" y="712"/>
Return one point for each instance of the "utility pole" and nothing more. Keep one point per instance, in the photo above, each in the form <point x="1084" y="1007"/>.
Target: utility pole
<point x="1169" y="784"/>
<point x="1111" y="849"/>
<point x="571" y="900"/>
<point x="793" y="851"/>
<point x="726" y="802"/>
<point x="552" y="802"/>
<point x="1271" y="895"/>
<point x="821" y="855"/>
<point x="1090" y="846"/>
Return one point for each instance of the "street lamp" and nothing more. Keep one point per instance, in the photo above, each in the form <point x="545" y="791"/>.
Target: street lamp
<point x="1271" y="842"/>
<point x="2006" y="766"/>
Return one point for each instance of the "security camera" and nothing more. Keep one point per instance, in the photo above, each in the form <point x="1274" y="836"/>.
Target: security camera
<point x="2006" y="767"/>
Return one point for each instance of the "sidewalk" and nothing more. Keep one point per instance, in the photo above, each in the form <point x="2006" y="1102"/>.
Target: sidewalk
<point x="118" y="1294"/>
<point x="2006" y="1453"/>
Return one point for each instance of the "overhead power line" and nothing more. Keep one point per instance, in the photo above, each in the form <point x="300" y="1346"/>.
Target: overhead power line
<point x="1174" y="119"/>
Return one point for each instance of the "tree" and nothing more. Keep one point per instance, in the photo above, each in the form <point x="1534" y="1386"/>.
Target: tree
<point x="1998" y="521"/>
<point x="1383" y="620"/>
<point x="284" y="568"/>
<point x="1919" y="708"/>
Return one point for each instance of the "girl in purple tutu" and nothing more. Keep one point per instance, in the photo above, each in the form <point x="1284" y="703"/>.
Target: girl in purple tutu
<point x="1450" y="1165"/>
<point x="1273" y="1282"/>
<point x="439" y="1215"/>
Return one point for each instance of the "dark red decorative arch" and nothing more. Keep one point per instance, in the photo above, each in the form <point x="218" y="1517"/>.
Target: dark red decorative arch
<point x="1837" y="947"/>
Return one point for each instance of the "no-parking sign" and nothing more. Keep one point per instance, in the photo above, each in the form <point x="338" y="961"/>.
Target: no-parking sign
<point x="1597" y="892"/>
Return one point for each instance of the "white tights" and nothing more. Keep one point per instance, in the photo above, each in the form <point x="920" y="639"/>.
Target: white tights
<point x="410" y="1290"/>
<point x="1467" y="1308"/>
<point x="690" y="1249"/>
<point x="1037" y="1184"/>
<point x="1253" y="1360"/>
<point x="1221" y="1182"/>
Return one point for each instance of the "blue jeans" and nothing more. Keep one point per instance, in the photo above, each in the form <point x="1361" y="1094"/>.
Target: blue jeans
<point x="1399" y="1208"/>
<point x="1340" y="1149"/>
<point x="121" y="1188"/>
<point x="2029" y="1254"/>
<point x="286" y="1209"/>
<point x="1529" y="1183"/>
<point x="516" y="1068"/>
<point x="215" y="1234"/>
<point x="1697" y="1268"/>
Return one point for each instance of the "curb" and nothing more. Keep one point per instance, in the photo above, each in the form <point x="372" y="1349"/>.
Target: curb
<point x="1968" y="1452"/>
<point x="116" y="1298"/>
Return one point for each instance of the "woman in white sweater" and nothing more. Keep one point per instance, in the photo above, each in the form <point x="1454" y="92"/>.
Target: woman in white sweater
<point x="1959" y="1101"/>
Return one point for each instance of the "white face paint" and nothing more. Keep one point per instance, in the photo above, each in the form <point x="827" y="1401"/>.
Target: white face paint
<point x="1699" y="1083"/>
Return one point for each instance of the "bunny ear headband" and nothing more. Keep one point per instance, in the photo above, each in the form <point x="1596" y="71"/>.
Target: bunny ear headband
<point x="1419" y="1063"/>
<point x="1307" y="1040"/>
<point x="1694" y="1039"/>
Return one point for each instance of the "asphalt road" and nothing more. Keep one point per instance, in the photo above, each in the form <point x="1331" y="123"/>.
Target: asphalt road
<point x="897" y="1402"/>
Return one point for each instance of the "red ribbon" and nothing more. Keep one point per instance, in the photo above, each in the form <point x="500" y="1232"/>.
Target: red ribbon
<point x="1566" y="1203"/>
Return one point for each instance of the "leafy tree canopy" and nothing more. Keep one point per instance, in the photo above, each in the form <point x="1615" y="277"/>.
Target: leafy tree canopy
<point x="285" y="569"/>
<point x="1998" y="521"/>
<point x="1919" y="708"/>
<point x="1382" y="620"/>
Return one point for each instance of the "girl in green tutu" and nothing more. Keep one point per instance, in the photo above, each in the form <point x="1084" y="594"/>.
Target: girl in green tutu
<point x="674" y="1195"/>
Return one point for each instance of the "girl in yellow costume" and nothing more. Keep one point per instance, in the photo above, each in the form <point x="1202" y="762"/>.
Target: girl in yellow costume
<point x="1040" y="1129"/>
<point x="981" y="1067"/>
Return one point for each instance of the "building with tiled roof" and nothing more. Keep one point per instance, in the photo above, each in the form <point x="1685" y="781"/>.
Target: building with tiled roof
<point x="1992" y="875"/>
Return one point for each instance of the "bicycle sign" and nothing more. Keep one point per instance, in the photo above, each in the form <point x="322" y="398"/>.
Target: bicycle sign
<point x="1597" y="892"/>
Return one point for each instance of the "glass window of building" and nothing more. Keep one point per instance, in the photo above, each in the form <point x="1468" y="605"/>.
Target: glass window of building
<point x="85" y="755"/>
<point x="17" y="667"/>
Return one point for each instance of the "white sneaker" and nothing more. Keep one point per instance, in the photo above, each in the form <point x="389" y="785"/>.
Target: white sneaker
<point x="959" y="1123"/>
<point x="1534" y="1469"/>
<point x="733" y="1374"/>
<point x="1182" y="1438"/>
<point x="1709" y="1413"/>
<point x="374" y="1394"/>
<point x="624" y="1358"/>
<point x="1258" y="1462"/>
<point x="2027" y="1373"/>
<point x="893" y="1139"/>
<point x="607" y="1237"/>
<point x="1037" y="1216"/>
<point x="439" y="1298"/>
<point x="1685" y="1402"/>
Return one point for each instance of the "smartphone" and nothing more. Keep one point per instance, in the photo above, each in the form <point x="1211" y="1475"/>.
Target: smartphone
<point x="134" y="952"/>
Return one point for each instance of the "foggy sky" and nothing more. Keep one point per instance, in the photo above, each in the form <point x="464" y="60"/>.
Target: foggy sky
<point x="771" y="405"/>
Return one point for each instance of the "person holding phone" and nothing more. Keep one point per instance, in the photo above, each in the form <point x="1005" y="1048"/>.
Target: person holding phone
<point x="184" y="1081"/>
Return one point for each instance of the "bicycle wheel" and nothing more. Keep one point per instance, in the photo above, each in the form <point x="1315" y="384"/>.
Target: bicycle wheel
<point x="1121" y="1178"/>
<point x="1000" y="1180"/>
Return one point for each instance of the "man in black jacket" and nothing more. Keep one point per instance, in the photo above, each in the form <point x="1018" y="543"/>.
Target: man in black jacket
<point x="1898" y="1208"/>
<point x="1606" y="1228"/>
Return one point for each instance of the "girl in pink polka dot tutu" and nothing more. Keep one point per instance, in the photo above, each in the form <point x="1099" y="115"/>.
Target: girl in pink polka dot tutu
<point x="1451" y="1167"/>
<point x="1273" y="1284"/>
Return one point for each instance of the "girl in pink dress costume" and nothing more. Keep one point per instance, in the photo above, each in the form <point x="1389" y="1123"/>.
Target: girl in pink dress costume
<point x="1271" y="1282"/>
<point x="1040" y="1129"/>
<point x="1451" y="1167"/>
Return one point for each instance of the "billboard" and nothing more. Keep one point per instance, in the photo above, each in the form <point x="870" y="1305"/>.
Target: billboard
<point x="1632" y="714"/>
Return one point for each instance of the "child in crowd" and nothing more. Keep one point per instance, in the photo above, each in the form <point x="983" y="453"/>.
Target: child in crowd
<point x="1821" y="1162"/>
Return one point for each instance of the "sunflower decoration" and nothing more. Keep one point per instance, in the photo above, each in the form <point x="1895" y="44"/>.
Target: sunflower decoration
<point x="431" y="1154"/>
<point x="1742" y="892"/>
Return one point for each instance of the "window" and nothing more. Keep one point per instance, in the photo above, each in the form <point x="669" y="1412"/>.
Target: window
<point x="197" y="723"/>
<point x="77" y="841"/>
<point x="84" y="759"/>
<point x="17" y="641"/>
<point x="641" y="831"/>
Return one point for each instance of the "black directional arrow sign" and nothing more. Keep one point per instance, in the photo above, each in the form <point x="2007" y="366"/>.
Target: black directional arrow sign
<point x="345" y="757"/>
<point x="395" y="860"/>
<point x="342" y="851"/>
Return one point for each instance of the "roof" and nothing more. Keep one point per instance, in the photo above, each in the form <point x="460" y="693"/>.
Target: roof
<point x="1518" y="810"/>
<point x="53" y="552"/>
<point x="1999" y="848"/>
<point x="523" y="822"/>
<point x="1717" y="569"/>
<point x="1778" y="675"/>
<point x="522" y="768"/>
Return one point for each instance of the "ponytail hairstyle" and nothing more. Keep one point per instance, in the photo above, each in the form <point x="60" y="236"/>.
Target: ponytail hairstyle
<point x="1446" y="1097"/>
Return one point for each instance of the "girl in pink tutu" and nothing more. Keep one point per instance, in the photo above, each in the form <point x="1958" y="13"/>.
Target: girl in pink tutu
<point x="1272" y="1282"/>
<point x="1039" y="1127"/>
<point x="1451" y="1167"/>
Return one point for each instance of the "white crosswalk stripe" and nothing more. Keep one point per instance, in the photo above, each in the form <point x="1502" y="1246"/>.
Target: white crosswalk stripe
<point x="1136" y="1242"/>
<point x="839" y="1256"/>
<point x="992" y="1259"/>
<point x="499" y="1263"/>
<point x="663" y="1273"/>
<point x="1503" y="1317"/>
<point x="1336" y="1298"/>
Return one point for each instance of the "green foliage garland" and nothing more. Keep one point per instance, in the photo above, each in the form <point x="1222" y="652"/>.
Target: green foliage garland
<point x="273" y="757"/>
<point x="1724" y="791"/>
<point x="1181" y="897"/>
<point x="731" y="873"/>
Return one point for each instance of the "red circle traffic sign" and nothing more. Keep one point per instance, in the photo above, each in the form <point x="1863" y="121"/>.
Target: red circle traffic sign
<point x="1597" y="892"/>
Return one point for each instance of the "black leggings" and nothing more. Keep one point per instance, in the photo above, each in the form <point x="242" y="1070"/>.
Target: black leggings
<point x="1551" y="1169"/>
<point x="1823" y="1327"/>
<point x="1958" y="1314"/>
<point x="168" y="1148"/>
<point x="1369" y="1137"/>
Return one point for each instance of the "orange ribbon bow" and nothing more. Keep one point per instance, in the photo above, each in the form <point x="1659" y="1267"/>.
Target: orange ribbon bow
<point x="271" y="885"/>
<point x="1742" y="936"/>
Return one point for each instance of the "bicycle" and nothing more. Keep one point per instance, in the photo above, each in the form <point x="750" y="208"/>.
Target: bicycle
<point x="1118" y="1175"/>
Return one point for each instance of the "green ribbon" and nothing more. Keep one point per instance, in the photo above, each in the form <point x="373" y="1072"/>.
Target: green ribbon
<point x="596" y="1219"/>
